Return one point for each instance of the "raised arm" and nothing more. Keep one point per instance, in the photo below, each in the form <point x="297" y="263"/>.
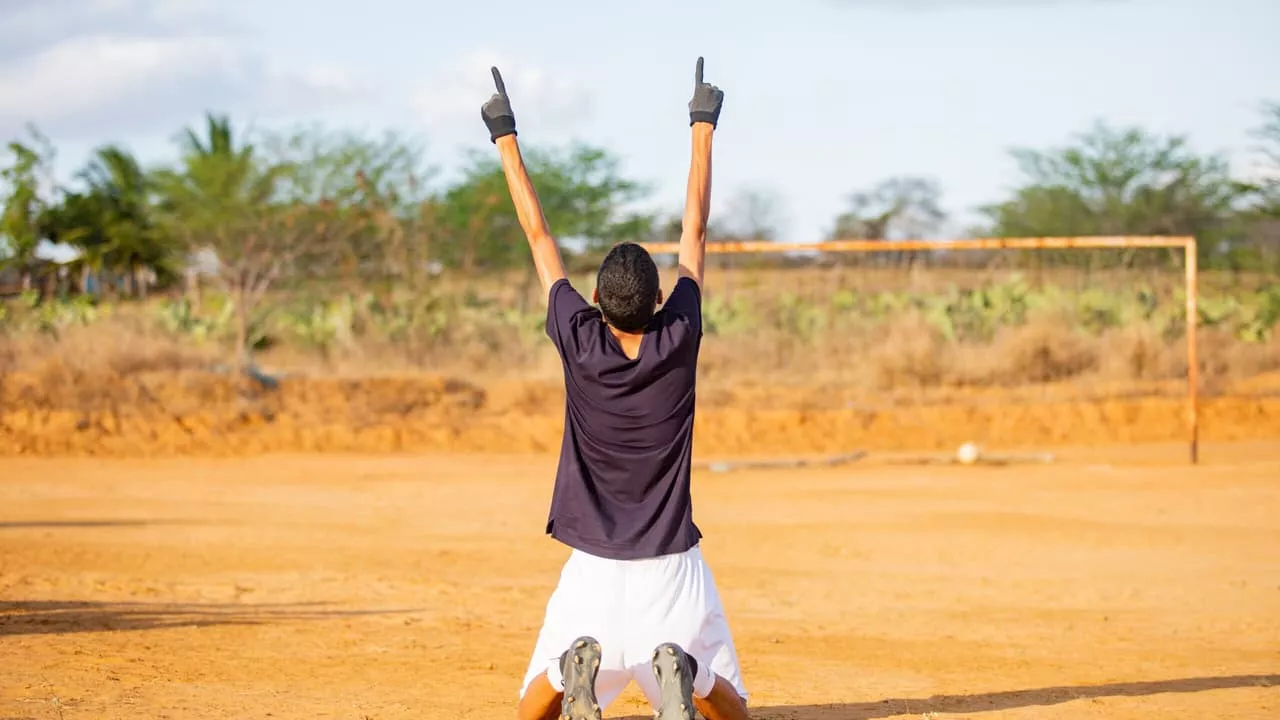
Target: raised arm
<point x="501" y="122"/>
<point x="546" y="254"/>
<point x="704" y="114"/>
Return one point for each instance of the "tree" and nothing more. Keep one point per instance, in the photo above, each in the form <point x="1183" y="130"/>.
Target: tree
<point x="20" y="215"/>
<point x="752" y="214"/>
<point x="78" y="221"/>
<point x="1263" y="214"/>
<point x="136" y="243"/>
<point x="113" y="222"/>
<point x="896" y="208"/>
<point x="252" y="211"/>
<point x="1120" y="182"/>
<point x="479" y="223"/>
<point x="583" y="196"/>
<point x="1269" y="133"/>
<point x="377" y="186"/>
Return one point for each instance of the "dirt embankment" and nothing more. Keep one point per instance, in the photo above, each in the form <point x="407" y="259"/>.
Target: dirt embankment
<point x="204" y="414"/>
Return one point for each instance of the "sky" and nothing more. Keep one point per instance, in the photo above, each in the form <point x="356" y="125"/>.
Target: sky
<point x="822" y="97"/>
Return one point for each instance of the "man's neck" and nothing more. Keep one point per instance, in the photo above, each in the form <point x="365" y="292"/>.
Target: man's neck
<point x="630" y="342"/>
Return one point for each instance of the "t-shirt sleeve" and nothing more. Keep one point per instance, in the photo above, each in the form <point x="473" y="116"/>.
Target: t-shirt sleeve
<point x="685" y="303"/>
<point x="563" y="305"/>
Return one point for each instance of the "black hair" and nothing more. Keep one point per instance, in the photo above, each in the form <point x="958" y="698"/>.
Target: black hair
<point x="628" y="287"/>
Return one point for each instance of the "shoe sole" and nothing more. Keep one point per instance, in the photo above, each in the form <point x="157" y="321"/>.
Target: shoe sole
<point x="675" y="683"/>
<point x="580" y="671"/>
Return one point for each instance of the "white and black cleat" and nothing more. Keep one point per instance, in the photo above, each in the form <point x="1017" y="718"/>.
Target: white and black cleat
<point x="579" y="664"/>
<point x="674" y="671"/>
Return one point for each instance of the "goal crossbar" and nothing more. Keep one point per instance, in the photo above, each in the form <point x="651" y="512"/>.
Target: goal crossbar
<point x="1187" y="243"/>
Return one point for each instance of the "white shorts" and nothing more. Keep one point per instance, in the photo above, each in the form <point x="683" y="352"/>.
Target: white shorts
<point x="631" y="607"/>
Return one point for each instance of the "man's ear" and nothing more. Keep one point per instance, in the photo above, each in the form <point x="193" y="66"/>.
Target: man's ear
<point x="659" y="301"/>
<point x="595" y="296"/>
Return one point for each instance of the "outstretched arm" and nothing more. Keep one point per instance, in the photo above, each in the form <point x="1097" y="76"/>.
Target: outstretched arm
<point x="704" y="114"/>
<point x="501" y="122"/>
<point x="546" y="254"/>
<point x="697" y="205"/>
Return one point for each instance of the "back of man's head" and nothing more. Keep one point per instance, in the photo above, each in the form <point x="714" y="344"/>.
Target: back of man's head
<point x="627" y="287"/>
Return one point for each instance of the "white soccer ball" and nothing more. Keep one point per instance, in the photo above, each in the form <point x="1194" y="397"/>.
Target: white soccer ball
<point x="967" y="454"/>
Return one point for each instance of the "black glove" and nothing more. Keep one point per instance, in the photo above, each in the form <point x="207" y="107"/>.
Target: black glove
<point x="705" y="105"/>
<point x="497" y="113"/>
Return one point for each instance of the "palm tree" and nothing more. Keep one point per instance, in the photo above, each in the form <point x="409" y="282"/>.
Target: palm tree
<point x="21" y="211"/>
<point x="123" y="195"/>
<point x="215" y="175"/>
<point x="219" y="199"/>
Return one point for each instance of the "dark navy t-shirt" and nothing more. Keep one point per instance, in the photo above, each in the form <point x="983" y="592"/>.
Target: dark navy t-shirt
<point x="622" y="486"/>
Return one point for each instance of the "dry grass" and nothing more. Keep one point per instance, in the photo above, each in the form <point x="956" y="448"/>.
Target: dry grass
<point x="105" y="393"/>
<point x="105" y="359"/>
<point x="104" y="373"/>
<point x="110" y="348"/>
<point x="792" y="368"/>
<point x="911" y="353"/>
<point x="111" y="362"/>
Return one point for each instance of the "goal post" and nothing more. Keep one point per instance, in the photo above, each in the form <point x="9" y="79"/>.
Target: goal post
<point x="1188" y="244"/>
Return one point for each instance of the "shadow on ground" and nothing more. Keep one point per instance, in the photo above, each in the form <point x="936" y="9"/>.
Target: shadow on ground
<point x="51" y="524"/>
<point x="55" y="617"/>
<point x="999" y="701"/>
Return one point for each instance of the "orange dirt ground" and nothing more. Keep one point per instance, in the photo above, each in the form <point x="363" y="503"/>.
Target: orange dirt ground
<point x="1117" y="583"/>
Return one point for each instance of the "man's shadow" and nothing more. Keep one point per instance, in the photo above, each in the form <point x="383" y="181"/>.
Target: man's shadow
<point x="57" y="617"/>
<point x="997" y="701"/>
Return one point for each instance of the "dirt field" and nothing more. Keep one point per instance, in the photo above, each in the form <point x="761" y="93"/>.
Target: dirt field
<point x="1110" y="585"/>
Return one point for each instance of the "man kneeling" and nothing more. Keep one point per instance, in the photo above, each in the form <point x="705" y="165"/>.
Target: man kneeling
<point x="635" y="599"/>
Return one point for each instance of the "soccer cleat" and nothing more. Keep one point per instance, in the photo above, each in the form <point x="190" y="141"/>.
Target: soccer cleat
<point x="579" y="664"/>
<point x="674" y="671"/>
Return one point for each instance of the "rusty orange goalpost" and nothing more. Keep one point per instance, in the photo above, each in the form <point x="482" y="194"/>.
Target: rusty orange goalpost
<point x="1188" y="244"/>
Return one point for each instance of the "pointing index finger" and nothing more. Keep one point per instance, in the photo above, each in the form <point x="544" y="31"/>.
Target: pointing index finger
<point x="497" y="81"/>
<point x="697" y="74"/>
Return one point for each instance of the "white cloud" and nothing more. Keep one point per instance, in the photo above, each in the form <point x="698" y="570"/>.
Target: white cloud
<point x="84" y="73"/>
<point x="92" y="68"/>
<point x="29" y="26"/>
<point x="451" y="101"/>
